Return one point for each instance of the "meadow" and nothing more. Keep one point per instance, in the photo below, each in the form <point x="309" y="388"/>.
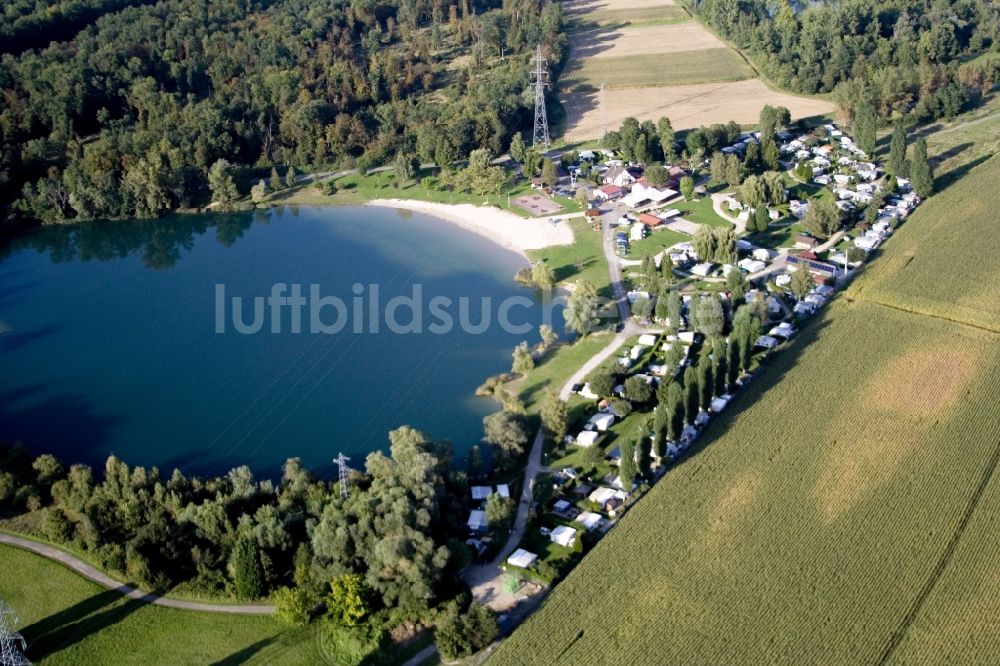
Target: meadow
<point x="941" y="262"/>
<point x="69" y="620"/>
<point x="649" y="70"/>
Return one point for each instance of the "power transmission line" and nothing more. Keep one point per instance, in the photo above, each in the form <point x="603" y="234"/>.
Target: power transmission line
<point x="341" y="461"/>
<point x="541" y="74"/>
<point x="12" y="644"/>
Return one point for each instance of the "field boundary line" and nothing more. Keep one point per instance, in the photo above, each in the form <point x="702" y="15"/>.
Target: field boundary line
<point x="897" y="637"/>
<point x="917" y="313"/>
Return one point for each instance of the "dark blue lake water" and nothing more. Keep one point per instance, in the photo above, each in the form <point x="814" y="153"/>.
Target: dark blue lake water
<point x="112" y="342"/>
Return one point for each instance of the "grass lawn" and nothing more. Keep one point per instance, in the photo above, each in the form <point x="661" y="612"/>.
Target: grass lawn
<point x="583" y="260"/>
<point x="778" y="234"/>
<point x="655" y="243"/>
<point x="69" y="620"/>
<point x="557" y="367"/>
<point x="701" y="211"/>
<point x="711" y="65"/>
<point x="357" y="189"/>
<point x="806" y="191"/>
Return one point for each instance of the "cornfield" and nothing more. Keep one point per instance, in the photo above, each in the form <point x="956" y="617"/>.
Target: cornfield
<point x="846" y="511"/>
<point x="943" y="261"/>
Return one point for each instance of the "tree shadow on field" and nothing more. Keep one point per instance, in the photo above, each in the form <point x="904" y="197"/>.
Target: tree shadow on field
<point x="767" y="376"/>
<point x="244" y="655"/>
<point x="71" y="625"/>
<point x="949" y="178"/>
<point x="954" y="151"/>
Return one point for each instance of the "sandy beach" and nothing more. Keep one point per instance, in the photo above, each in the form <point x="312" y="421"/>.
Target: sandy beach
<point x="502" y="227"/>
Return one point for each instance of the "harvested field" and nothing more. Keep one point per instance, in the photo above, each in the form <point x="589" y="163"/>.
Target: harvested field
<point x="647" y="71"/>
<point x="687" y="106"/>
<point x="942" y="261"/>
<point x="816" y="524"/>
<point x="642" y="40"/>
<point x="590" y="6"/>
<point x="633" y="16"/>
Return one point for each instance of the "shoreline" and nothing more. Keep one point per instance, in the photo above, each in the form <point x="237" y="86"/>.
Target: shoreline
<point x="514" y="233"/>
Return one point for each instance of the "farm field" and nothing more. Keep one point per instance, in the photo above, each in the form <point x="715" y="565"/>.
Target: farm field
<point x="822" y="509"/>
<point x="655" y="60"/>
<point x="942" y="261"/>
<point x="628" y="16"/>
<point x="635" y="41"/>
<point x="687" y="106"/>
<point x="650" y="70"/>
<point x="592" y="6"/>
<point x="960" y="621"/>
<point x="69" y="620"/>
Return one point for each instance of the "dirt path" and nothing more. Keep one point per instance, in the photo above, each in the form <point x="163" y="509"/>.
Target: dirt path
<point x="717" y="200"/>
<point x="969" y="123"/>
<point x="102" y="579"/>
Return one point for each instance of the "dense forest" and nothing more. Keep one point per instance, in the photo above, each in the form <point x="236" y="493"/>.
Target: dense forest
<point x="127" y="117"/>
<point x="398" y="529"/>
<point x="26" y="24"/>
<point x="912" y="57"/>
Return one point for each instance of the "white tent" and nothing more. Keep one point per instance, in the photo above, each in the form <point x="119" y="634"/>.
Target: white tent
<point x="481" y="492"/>
<point x="477" y="520"/>
<point x="766" y="342"/>
<point x="718" y="404"/>
<point x="563" y="535"/>
<point x="588" y="519"/>
<point x="503" y="490"/>
<point x="602" y="421"/>
<point x="702" y="270"/>
<point x="522" y="558"/>
<point x="587" y="438"/>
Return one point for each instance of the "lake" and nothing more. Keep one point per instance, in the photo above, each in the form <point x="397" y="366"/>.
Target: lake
<point x="167" y="342"/>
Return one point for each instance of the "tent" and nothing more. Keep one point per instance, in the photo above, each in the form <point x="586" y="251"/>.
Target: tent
<point x="563" y="535"/>
<point x="589" y="520"/>
<point x="477" y="520"/>
<point x="522" y="558"/>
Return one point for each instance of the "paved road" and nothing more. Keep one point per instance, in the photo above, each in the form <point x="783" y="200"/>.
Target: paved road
<point x="99" y="577"/>
<point x="614" y="267"/>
